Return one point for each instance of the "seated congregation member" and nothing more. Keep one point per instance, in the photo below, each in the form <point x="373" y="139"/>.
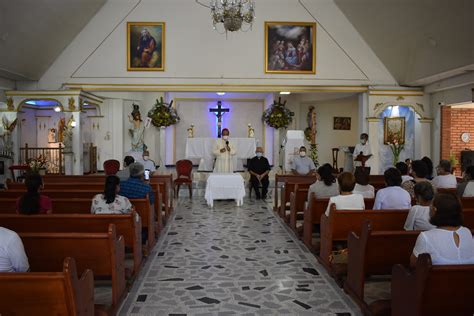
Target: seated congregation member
<point x="419" y="173"/>
<point x="259" y="168"/>
<point x="466" y="187"/>
<point x="449" y="242"/>
<point x="147" y="162"/>
<point x="393" y="197"/>
<point x="135" y="186"/>
<point x="362" y="186"/>
<point x="326" y="185"/>
<point x="346" y="200"/>
<point x="403" y="168"/>
<point x="110" y="202"/>
<point x="444" y="179"/>
<point x="12" y="253"/>
<point x="32" y="202"/>
<point x="429" y="164"/>
<point x="303" y="165"/>
<point x="124" y="174"/>
<point x="419" y="216"/>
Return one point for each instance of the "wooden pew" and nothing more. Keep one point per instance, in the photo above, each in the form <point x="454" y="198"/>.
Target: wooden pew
<point x="297" y="204"/>
<point x="312" y="216"/>
<point x="127" y="225"/>
<point x="48" y="293"/>
<point x="103" y="253"/>
<point x="432" y="290"/>
<point x="340" y="223"/>
<point x="288" y="187"/>
<point x="467" y="202"/>
<point x="279" y="181"/>
<point x="82" y="206"/>
<point x="375" y="253"/>
<point x="166" y="190"/>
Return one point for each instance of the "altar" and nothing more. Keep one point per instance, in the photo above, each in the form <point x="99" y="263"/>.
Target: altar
<point x="202" y="148"/>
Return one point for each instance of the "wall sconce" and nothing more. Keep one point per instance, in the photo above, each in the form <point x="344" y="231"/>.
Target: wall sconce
<point x="57" y="108"/>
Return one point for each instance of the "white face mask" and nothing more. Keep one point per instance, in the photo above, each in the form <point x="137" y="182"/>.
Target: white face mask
<point x="363" y="141"/>
<point x="302" y="153"/>
<point x="225" y="137"/>
<point x="146" y="157"/>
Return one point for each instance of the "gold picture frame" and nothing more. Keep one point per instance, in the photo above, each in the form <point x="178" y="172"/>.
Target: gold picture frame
<point x="394" y="128"/>
<point x="139" y="56"/>
<point x="285" y="54"/>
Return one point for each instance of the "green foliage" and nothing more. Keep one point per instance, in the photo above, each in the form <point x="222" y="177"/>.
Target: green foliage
<point x="278" y="116"/>
<point x="163" y="114"/>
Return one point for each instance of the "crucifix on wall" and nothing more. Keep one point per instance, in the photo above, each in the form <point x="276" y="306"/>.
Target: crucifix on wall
<point x="219" y="112"/>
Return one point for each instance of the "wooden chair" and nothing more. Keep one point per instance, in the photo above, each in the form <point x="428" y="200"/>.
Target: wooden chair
<point x="184" y="169"/>
<point x="432" y="290"/>
<point x="48" y="293"/>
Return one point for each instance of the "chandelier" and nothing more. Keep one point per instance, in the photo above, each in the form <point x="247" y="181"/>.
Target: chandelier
<point x="231" y="13"/>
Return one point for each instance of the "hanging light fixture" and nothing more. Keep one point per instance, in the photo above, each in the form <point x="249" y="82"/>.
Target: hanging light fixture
<point x="233" y="14"/>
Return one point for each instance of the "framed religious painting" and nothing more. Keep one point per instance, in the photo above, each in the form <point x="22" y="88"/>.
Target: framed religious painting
<point x="52" y="136"/>
<point x="394" y="130"/>
<point x="290" y="47"/>
<point x="145" y="46"/>
<point x="342" y="123"/>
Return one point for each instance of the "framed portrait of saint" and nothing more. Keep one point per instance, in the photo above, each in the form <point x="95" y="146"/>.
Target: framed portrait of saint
<point x="52" y="136"/>
<point x="342" y="123"/>
<point x="394" y="130"/>
<point x="290" y="47"/>
<point x="145" y="46"/>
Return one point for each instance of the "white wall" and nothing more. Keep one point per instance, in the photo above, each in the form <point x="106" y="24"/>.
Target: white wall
<point x="195" y="53"/>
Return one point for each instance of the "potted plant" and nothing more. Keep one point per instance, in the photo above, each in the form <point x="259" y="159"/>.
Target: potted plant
<point x="38" y="165"/>
<point x="453" y="161"/>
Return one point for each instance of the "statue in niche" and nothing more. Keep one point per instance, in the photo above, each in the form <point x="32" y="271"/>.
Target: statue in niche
<point x="250" y="131"/>
<point x="8" y="128"/>
<point x="310" y="131"/>
<point x="138" y="131"/>
<point x="67" y="135"/>
<point x="191" y="131"/>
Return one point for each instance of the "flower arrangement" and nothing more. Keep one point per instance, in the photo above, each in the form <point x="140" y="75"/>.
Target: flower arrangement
<point x="163" y="114"/>
<point x="37" y="164"/>
<point x="396" y="146"/>
<point x="278" y="116"/>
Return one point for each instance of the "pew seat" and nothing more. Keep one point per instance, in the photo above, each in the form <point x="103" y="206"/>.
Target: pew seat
<point x="58" y="292"/>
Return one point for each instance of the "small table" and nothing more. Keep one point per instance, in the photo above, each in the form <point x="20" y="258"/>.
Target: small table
<point x="221" y="186"/>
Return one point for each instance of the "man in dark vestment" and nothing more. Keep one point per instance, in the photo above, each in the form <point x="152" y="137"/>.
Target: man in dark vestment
<point x="146" y="47"/>
<point x="259" y="168"/>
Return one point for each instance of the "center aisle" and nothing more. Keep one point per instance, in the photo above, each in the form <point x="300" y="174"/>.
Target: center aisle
<point x="232" y="261"/>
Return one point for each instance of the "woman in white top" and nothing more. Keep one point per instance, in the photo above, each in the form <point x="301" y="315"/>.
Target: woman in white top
<point x="110" y="202"/>
<point x="444" y="179"/>
<point x="419" y="216"/>
<point x="362" y="186"/>
<point x="346" y="200"/>
<point x="392" y="197"/>
<point x="326" y="185"/>
<point x="466" y="188"/>
<point x="449" y="242"/>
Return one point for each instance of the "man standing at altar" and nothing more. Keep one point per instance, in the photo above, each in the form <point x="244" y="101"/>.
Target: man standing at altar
<point x="363" y="153"/>
<point x="224" y="150"/>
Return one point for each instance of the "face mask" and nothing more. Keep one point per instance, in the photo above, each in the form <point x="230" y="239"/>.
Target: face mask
<point x="146" y="157"/>
<point x="302" y="153"/>
<point x="363" y="141"/>
<point x="259" y="154"/>
<point x="225" y="137"/>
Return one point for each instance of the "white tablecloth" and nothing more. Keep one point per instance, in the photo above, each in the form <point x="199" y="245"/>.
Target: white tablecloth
<point x="222" y="186"/>
<point x="201" y="148"/>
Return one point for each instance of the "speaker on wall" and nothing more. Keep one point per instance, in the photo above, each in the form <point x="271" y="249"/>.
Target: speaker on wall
<point x="467" y="159"/>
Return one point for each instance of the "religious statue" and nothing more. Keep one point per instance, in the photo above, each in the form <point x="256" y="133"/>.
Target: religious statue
<point x="8" y="128"/>
<point x="67" y="135"/>
<point x="312" y="124"/>
<point x="250" y="131"/>
<point x="191" y="131"/>
<point x="138" y="131"/>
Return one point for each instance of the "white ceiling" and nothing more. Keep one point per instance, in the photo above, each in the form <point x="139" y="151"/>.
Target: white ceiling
<point x="419" y="41"/>
<point x="34" y="32"/>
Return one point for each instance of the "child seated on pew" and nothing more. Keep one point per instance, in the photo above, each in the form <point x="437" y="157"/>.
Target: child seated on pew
<point x="362" y="186"/>
<point x="32" y="202"/>
<point x="419" y="216"/>
<point x="110" y="202"/>
<point x="449" y="242"/>
<point x="346" y="200"/>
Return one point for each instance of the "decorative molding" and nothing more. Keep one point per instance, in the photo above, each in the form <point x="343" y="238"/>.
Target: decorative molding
<point x="374" y="119"/>
<point x="10" y="104"/>
<point x="425" y="120"/>
<point x="71" y="104"/>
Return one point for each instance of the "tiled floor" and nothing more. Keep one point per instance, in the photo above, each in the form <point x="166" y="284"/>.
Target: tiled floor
<point x="232" y="261"/>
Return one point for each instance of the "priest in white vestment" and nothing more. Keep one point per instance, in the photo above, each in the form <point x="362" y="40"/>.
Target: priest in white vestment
<point x="224" y="149"/>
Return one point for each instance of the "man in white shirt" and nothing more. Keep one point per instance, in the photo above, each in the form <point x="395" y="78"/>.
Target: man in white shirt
<point x="444" y="179"/>
<point x="147" y="162"/>
<point x="363" y="149"/>
<point x="303" y="165"/>
<point x="393" y="196"/>
<point x="12" y="252"/>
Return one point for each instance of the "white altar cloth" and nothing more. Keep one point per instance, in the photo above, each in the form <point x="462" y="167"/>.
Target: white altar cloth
<point x="223" y="186"/>
<point x="202" y="148"/>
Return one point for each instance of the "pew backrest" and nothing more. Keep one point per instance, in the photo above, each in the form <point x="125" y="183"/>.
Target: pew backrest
<point x="48" y="293"/>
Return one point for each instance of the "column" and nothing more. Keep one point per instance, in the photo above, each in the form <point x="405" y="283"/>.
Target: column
<point x="424" y="143"/>
<point x="116" y="111"/>
<point x="162" y="146"/>
<point x="363" y="112"/>
<point x="77" y="146"/>
<point x="373" y="131"/>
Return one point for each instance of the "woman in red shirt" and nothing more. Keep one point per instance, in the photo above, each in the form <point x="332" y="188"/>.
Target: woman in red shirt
<point x="32" y="202"/>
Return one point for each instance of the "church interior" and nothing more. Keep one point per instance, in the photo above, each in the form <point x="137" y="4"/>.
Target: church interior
<point x="176" y="157"/>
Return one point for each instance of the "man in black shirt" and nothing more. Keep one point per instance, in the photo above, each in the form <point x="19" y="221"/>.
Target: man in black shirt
<point x="259" y="168"/>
